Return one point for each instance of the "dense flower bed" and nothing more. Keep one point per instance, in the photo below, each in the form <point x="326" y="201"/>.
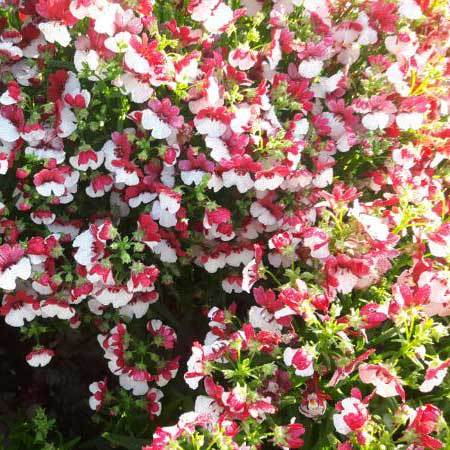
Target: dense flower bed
<point x="278" y="170"/>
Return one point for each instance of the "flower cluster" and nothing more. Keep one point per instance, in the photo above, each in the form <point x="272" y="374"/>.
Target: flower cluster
<point x="293" y="155"/>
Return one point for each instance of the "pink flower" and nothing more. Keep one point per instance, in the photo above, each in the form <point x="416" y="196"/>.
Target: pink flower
<point x="293" y="432"/>
<point x="422" y="423"/>
<point x="383" y="15"/>
<point x="270" y="179"/>
<point x="53" y="307"/>
<point x="314" y="401"/>
<point x="87" y="159"/>
<point x="301" y="359"/>
<point x="162" y="118"/>
<point x="196" y="365"/>
<point x="386" y="384"/>
<point x="212" y="122"/>
<point x="58" y="14"/>
<point x="116" y="296"/>
<point x="373" y="315"/>
<point x="56" y="10"/>
<point x="164" y="335"/>
<point x="12" y="95"/>
<point x="352" y="415"/>
<point x="195" y="167"/>
<point x="143" y="279"/>
<point x="167" y="372"/>
<point x="439" y="241"/>
<point x="251" y="272"/>
<point x="50" y="182"/>
<point x="317" y="241"/>
<point x="343" y="372"/>
<point x="434" y="375"/>
<point x="242" y="58"/>
<point x="43" y="217"/>
<point x="215" y="16"/>
<point x="99" y="186"/>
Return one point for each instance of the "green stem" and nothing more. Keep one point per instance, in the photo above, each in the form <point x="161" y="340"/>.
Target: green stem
<point x="274" y="278"/>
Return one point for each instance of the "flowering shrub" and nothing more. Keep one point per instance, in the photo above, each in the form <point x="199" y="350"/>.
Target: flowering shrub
<point x="246" y="200"/>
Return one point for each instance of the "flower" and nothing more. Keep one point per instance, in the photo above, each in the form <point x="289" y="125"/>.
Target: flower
<point x="386" y="384"/>
<point x="154" y="405"/>
<point x="98" y="390"/>
<point x="13" y="264"/>
<point x="289" y="435"/>
<point x="352" y="415"/>
<point x="422" y="422"/>
<point x="301" y="359"/>
<point x="434" y="375"/>
<point x="39" y="357"/>
<point x="19" y="307"/>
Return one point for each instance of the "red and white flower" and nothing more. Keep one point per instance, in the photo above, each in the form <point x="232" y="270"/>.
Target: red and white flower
<point x="87" y="159"/>
<point x="302" y="359"/>
<point x="214" y="15"/>
<point x="164" y="335"/>
<point x="59" y="17"/>
<point x="13" y="265"/>
<point x="154" y="407"/>
<point x="434" y="375"/>
<point x="352" y="415"/>
<point x="242" y="58"/>
<point x="212" y="122"/>
<point x="162" y="118"/>
<point x="386" y="384"/>
<point x="40" y="357"/>
<point x="19" y="307"/>
<point x="98" y="390"/>
<point x="439" y="241"/>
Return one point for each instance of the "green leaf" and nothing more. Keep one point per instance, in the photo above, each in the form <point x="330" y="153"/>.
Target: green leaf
<point x="130" y="443"/>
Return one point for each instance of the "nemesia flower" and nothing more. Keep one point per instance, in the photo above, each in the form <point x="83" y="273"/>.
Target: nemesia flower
<point x="253" y="193"/>
<point x="434" y="375"/>
<point x="301" y="359"/>
<point x="19" y="307"/>
<point x="98" y="390"/>
<point x="314" y="403"/>
<point x="154" y="405"/>
<point x="39" y="357"/>
<point x="352" y="416"/>
<point x="423" y="422"/>
<point x="161" y="118"/>
<point x="13" y="264"/>
<point x="163" y="335"/>
<point x="386" y="384"/>
<point x="289" y="435"/>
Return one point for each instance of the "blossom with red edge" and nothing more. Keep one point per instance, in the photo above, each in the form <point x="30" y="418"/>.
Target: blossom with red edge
<point x="153" y="405"/>
<point x="98" y="390"/>
<point x="386" y="384"/>
<point x="352" y="415"/>
<point x="314" y="402"/>
<point x="422" y="422"/>
<point x="162" y="118"/>
<point x="164" y="335"/>
<point x="19" y="307"/>
<point x="434" y="375"/>
<point x="301" y="359"/>
<point x="13" y="265"/>
<point x="289" y="436"/>
<point x="39" y="357"/>
<point x="251" y="272"/>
